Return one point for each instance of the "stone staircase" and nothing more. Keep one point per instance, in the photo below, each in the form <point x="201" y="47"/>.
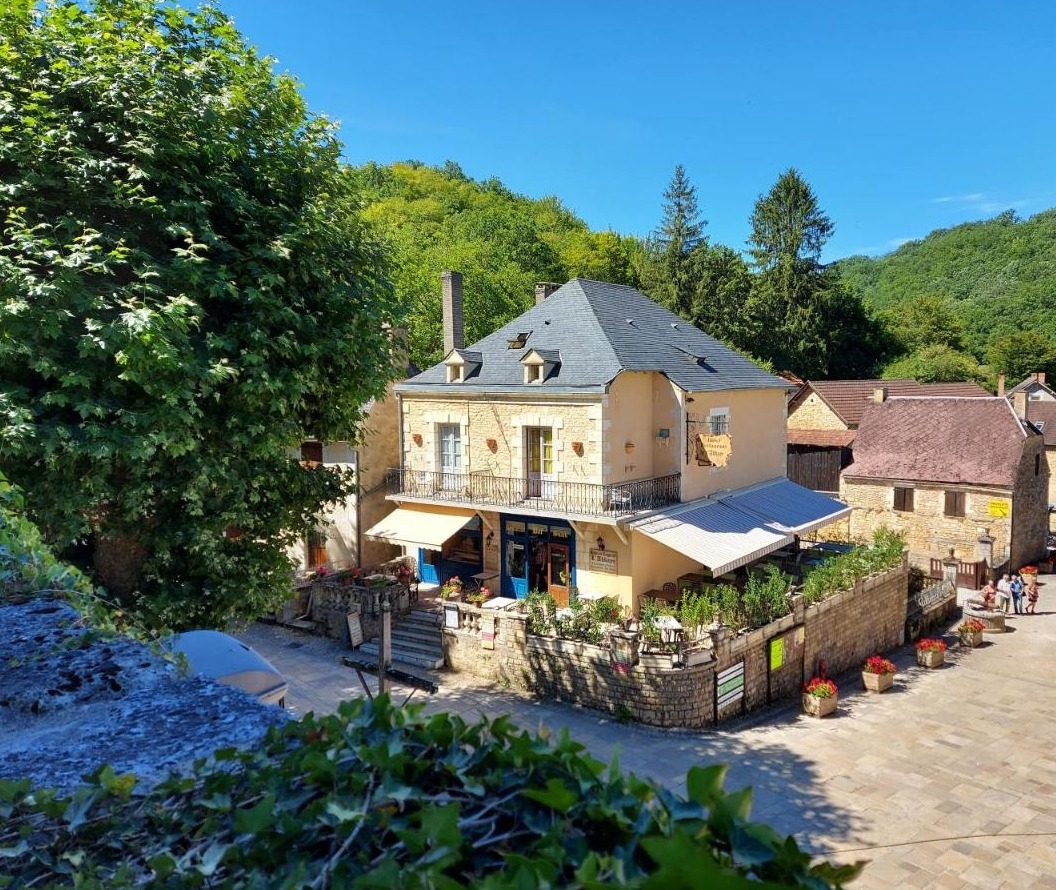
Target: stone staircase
<point x="416" y="639"/>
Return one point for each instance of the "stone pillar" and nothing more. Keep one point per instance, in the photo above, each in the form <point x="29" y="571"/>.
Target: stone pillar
<point x="985" y="548"/>
<point x="949" y="569"/>
<point x="385" y="642"/>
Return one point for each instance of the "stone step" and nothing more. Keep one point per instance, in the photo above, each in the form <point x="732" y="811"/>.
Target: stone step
<point x="418" y="656"/>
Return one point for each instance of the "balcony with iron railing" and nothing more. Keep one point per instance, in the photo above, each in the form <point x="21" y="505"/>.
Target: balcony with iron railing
<point x="571" y="498"/>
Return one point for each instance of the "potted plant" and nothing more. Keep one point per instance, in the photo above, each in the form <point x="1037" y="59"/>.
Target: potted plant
<point x="931" y="653"/>
<point x="1029" y="573"/>
<point x="970" y="632"/>
<point x="878" y="673"/>
<point x="820" y="697"/>
<point x="451" y="589"/>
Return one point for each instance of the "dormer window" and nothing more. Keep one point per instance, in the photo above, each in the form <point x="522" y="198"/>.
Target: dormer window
<point x="540" y="364"/>
<point x="462" y="364"/>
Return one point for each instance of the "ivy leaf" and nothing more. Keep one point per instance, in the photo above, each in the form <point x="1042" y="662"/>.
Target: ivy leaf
<point x="256" y="819"/>
<point x="556" y="796"/>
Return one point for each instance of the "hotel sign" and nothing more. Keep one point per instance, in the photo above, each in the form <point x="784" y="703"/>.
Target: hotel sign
<point x="713" y="451"/>
<point x="603" y="561"/>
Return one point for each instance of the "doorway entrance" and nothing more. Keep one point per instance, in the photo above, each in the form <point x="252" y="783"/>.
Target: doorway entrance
<point x="539" y="555"/>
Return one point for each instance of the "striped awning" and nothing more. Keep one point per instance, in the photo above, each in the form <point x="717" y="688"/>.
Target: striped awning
<point x="418" y="528"/>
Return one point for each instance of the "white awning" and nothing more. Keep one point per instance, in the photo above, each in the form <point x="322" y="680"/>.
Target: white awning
<point x="418" y="528"/>
<point x="715" y="535"/>
<point x="788" y="506"/>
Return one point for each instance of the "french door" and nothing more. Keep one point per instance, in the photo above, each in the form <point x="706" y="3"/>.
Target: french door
<point x="541" y="478"/>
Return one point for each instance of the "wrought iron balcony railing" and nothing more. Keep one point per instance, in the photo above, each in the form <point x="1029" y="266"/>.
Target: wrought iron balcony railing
<point x="573" y="498"/>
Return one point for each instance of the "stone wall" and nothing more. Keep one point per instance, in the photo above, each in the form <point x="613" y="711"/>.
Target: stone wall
<point x="813" y="414"/>
<point x="841" y="632"/>
<point x="929" y="532"/>
<point x="330" y="604"/>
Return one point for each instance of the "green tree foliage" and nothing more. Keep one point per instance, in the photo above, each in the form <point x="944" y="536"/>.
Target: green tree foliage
<point x="669" y="267"/>
<point x="923" y="321"/>
<point x="937" y="364"/>
<point x="997" y="277"/>
<point x="1017" y="355"/>
<point x="434" y="219"/>
<point x="805" y="320"/>
<point x="186" y="291"/>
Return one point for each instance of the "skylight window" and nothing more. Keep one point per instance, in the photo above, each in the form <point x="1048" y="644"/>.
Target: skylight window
<point x="518" y="341"/>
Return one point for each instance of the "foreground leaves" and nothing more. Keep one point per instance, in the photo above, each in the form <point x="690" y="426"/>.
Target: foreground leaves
<point x="379" y="796"/>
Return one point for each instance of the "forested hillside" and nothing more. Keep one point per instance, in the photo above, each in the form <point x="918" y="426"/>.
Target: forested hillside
<point x="997" y="278"/>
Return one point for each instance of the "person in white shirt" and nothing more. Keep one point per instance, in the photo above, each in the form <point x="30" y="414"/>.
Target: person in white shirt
<point x="1004" y="593"/>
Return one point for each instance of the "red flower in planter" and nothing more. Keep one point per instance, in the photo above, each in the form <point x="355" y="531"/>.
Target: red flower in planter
<point x="877" y="664"/>
<point x="930" y="645"/>
<point x="820" y="688"/>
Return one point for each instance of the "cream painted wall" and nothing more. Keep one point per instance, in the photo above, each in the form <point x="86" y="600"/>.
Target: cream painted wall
<point x="757" y="438"/>
<point x="655" y="564"/>
<point x="630" y="427"/>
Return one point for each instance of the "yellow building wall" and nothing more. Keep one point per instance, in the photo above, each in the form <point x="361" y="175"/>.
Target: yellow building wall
<point x="757" y="441"/>
<point x="655" y="564"/>
<point x="630" y="430"/>
<point x="493" y="435"/>
<point x="813" y="414"/>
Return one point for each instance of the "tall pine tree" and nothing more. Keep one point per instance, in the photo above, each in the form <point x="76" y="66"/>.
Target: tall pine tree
<point x="668" y="273"/>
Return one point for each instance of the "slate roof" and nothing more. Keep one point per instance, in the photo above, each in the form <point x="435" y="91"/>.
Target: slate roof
<point x="963" y="441"/>
<point x="1030" y="384"/>
<point x="1044" y="414"/>
<point x="600" y="330"/>
<point x="848" y="398"/>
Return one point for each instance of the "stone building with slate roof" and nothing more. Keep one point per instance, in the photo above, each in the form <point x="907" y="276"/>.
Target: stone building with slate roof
<point x="823" y="416"/>
<point x="1034" y="400"/>
<point x="949" y="471"/>
<point x="597" y="442"/>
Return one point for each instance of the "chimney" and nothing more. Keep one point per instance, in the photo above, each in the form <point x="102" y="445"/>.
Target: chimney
<point x="880" y="394"/>
<point x="543" y="289"/>
<point x="1040" y="376"/>
<point x="1000" y="384"/>
<point x="1019" y="404"/>
<point x="454" y="334"/>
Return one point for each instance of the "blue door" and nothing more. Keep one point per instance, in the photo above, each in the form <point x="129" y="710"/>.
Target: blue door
<point x="516" y="569"/>
<point x="426" y="570"/>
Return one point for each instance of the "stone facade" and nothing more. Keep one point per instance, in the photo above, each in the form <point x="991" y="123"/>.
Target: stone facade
<point x="836" y="635"/>
<point x="1017" y="519"/>
<point x="813" y="414"/>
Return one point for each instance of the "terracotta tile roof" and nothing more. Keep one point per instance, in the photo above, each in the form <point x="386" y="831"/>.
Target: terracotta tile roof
<point x="963" y="441"/>
<point x="823" y="438"/>
<point x="848" y="398"/>
<point x="1044" y="414"/>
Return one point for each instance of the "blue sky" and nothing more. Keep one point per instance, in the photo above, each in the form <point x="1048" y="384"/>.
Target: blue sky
<point x="904" y="116"/>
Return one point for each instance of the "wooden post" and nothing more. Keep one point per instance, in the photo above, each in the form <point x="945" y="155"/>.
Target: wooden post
<point x="385" y="649"/>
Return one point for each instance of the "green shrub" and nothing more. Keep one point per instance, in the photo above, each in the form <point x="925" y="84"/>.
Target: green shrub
<point x="383" y="797"/>
<point x="841" y="572"/>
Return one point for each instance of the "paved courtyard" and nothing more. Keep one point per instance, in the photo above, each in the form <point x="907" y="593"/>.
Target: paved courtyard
<point x="948" y="780"/>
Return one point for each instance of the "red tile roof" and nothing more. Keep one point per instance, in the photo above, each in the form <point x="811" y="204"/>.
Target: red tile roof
<point x="966" y="441"/>
<point x="823" y="438"/>
<point x="848" y="398"/>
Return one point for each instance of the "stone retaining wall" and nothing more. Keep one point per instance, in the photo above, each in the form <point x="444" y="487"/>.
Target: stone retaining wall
<point x="841" y="632"/>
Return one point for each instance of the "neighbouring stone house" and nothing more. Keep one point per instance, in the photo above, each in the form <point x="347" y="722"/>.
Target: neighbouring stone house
<point x="823" y="416"/>
<point x="596" y="442"/>
<point x="950" y="472"/>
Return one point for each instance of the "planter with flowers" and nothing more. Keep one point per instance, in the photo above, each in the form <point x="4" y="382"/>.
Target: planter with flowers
<point x="451" y="589"/>
<point x="820" y="697"/>
<point x="970" y="632"/>
<point x="878" y="673"/>
<point x="931" y="653"/>
<point x="1028" y="574"/>
<point x="479" y="597"/>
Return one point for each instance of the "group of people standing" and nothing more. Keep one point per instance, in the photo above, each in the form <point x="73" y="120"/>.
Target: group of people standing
<point x="1012" y="589"/>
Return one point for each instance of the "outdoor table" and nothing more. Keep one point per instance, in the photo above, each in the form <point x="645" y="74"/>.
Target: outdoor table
<point x="484" y="578"/>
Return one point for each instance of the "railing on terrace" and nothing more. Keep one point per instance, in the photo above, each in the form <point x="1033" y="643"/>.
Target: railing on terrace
<point x="575" y="498"/>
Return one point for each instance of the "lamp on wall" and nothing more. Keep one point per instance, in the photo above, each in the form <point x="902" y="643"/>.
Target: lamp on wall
<point x="488" y="539"/>
<point x="601" y="542"/>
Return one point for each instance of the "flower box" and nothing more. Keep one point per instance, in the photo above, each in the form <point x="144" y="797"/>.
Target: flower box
<point x="877" y="682"/>
<point x="819" y="707"/>
<point x="971" y="639"/>
<point x="931" y="658"/>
